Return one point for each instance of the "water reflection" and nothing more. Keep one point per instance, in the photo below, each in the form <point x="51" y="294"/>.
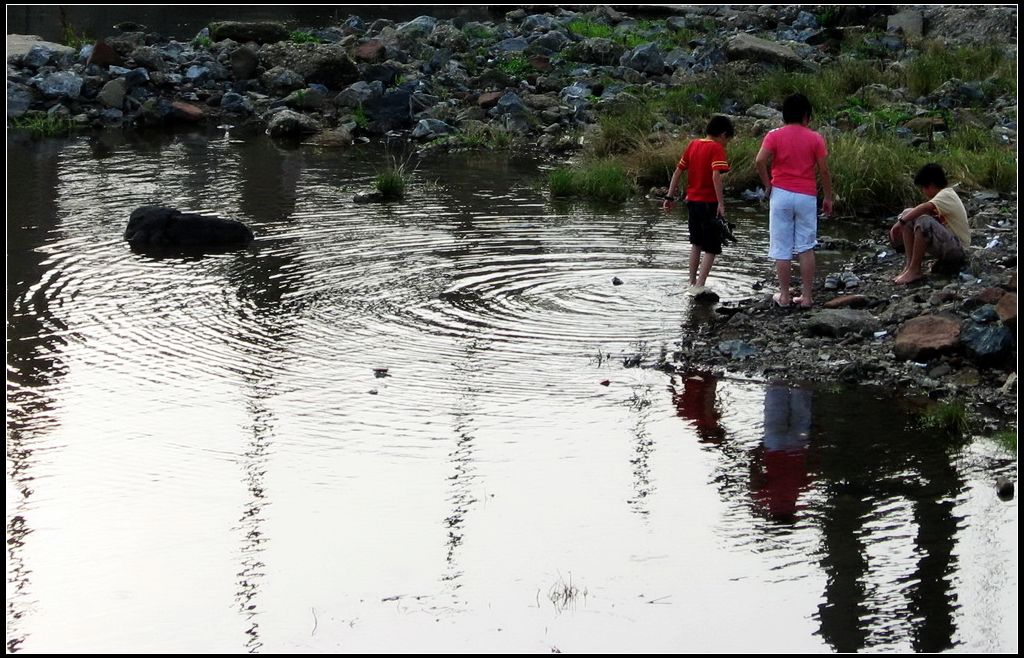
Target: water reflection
<point x="861" y="470"/>
<point x="779" y="465"/>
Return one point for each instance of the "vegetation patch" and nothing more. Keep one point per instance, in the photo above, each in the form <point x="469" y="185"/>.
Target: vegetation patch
<point x="299" y="36"/>
<point x="949" y="418"/>
<point x="43" y="125"/>
<point x="604" y="180"/>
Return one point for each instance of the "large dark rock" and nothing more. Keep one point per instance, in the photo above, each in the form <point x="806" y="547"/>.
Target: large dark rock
<point x="159" y="226"/>
<point x="325" y="64"/>
<point x="244" y="62"/>
<point x="988" y="344"/>
<point x="389" y="112"/>
<point x="595" y="51"/>
<point x="19" y="99"/>
<point x="244" y="31"/>
<point x="645" y="58"/>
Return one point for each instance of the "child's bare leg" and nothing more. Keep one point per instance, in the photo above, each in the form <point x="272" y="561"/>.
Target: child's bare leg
<point x="694" y="261"/>
<point x="784" y="269"/>
<point x="916" y="249"/>
<point x="908" y="248"/>
<point x="806" y="260"/>
<point x="705" y="268"/>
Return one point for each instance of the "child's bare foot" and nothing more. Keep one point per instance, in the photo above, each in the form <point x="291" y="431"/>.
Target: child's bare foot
<point x="909" y="277"/>
<point x="803" y="302"/>
<point x="903" y="272"/>
<point x="782" y="300"/>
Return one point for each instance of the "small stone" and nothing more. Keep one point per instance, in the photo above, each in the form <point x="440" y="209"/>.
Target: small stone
<point x="1004" y="488"/>
<point x="616" y="281"/>
<point x="606" y="382"/>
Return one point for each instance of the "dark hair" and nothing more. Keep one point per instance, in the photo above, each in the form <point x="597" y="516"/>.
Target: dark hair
<point x="931" y="174"/>
<point x="718" y="126"/>
<point x="795" y="108"/>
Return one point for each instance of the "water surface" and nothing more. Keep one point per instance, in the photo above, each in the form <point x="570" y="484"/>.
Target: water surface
<point x="201" y="456"/>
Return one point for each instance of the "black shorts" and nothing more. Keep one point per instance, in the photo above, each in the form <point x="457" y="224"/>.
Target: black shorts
<point x="704" y="230"/>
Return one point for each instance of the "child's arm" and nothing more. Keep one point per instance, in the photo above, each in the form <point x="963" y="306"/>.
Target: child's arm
<point x="826" y="184"/>
<point x="762" y="161"/>
<point x="716" y="178"/>
<point x="910" y="214"/>
<point x="673" y="187"/>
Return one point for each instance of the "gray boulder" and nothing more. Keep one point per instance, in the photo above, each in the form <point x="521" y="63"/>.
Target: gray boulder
<point x="749" y="47"/>
<point x="158" y="226"/>
<point x="305" y="99"/>
<point x="430" y="128"/>
<point x="909" y="21"/>
<point x="62" y="84"/>
<point x="537" y="23"/>
<point x="288" y="123"/>
<point x="359" y="93"/>
<point x="112" y="94"/>
<point x="235" y="103"/>
<point x="45" y="53"/>
<point x="244" y="63"/>
<point x="513" y="45"/>
<point x="280" y="81"/>
<point x="19" y="99"/>
<point x="326" y="64"/>
<point x="645" y="58"/>
<point x="595" y="51"/>
<point x="148" y="57"/>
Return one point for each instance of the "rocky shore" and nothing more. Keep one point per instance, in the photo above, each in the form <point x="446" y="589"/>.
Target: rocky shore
<point x="544" y="77"/>
<point x="951" y="337"/>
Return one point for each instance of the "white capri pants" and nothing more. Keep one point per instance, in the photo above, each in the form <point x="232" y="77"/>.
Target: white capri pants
<point x="792" y="223"/>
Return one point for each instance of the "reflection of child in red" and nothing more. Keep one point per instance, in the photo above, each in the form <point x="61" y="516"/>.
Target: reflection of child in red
<point x="782" y="473"/>
<point x="697" y="404"/>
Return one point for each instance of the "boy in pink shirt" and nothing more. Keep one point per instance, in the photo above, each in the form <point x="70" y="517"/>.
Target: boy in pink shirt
<point x="794" y="153"/>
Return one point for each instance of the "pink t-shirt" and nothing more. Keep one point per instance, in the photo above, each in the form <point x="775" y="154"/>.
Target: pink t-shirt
<point x="795" y="149"/>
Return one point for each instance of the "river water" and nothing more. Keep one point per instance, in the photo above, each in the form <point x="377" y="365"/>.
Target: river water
<point x="204" y="454"/>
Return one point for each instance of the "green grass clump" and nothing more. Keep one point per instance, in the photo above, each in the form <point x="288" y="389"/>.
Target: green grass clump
<point x="391" y="182"/>
<point x="477" y="31"/>
<point x="949" y="418"/>
<point x="202" y="42"/>
<point x="938" y="63"/>
<point x="590" y="30"/>
<point x="43" y="125"/>
<point x="872" y="174"/>
<point x="360" y="117"/>
<point x="515" y="65"/>
<point x="299" y="36"/>
<point x="1007" y="439"/>
<point x="624" y="130"/>
<point x="603" y="180"/>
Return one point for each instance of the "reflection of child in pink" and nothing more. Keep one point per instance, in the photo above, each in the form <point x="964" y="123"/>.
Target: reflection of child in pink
<point x="697" y="404"/>
<point x="782" y="474"/>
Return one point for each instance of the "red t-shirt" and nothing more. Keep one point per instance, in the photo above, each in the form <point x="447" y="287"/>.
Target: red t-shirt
<point x="700" y="158"/>
<point x="795" y="149"/>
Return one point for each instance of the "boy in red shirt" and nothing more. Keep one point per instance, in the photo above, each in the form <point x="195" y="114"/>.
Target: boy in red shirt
<point x="705" y="162"/>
